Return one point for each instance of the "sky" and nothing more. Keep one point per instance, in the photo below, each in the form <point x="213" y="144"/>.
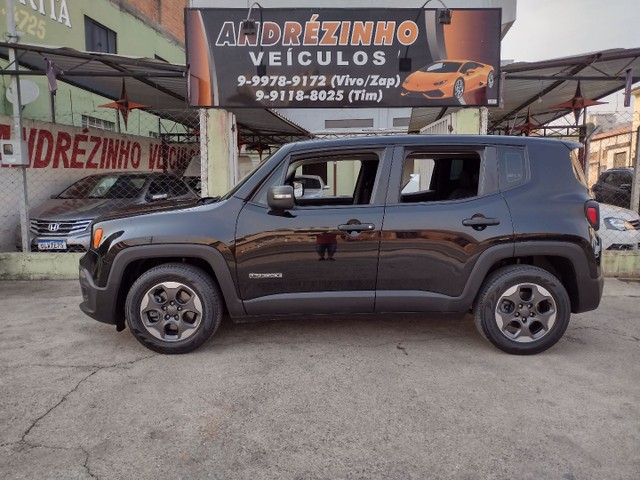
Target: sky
<point x="546" y="29"/>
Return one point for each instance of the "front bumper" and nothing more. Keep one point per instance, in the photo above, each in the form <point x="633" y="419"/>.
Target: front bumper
<point x="74" y="243"/>
<point x="435" y="94"/>
<point x="97" y="302"/>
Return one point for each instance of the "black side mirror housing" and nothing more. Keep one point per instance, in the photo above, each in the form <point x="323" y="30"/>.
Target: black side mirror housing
<point x="280" y="198"/>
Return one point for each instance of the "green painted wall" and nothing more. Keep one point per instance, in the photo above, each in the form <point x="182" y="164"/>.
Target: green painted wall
<point x="64" y="26"/>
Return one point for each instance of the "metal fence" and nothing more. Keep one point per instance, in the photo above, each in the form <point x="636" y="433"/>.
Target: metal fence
<point x="87" y="164"/>
<point x="123" y="166"/>
<point x="612" y="155"/>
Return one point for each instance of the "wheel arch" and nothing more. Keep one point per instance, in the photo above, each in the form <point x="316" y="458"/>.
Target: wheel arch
<point x="566" y="261"/>
<point x="132" y="262"/>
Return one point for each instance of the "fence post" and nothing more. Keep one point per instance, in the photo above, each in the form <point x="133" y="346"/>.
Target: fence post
<point x="17" y="120"/>
<point x="204" y="152"/>
<point x="484" y="120"/>
<point x="222" y="152"/>
<point x="635" y="187"/>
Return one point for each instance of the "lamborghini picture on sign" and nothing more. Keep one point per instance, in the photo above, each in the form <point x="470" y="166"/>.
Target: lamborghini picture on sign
<point x="448" y="79"/>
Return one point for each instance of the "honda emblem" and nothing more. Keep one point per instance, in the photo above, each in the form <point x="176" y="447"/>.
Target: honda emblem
<point x="53" y="227"/>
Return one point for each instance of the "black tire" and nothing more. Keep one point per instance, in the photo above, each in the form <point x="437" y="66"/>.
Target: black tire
<point x="522" y="309"/>
<point x="174" y="308"/>
<point x="458" y="88"/>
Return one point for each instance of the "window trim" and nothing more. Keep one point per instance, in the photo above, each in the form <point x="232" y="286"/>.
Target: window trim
<point x="88" y="21"/>
<point x="88" y="121"/>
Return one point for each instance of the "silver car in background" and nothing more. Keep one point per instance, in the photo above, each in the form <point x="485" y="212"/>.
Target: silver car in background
<point x="62" y="224"/>
<point x="619" y="228"/>
<point x="313" y="186"/>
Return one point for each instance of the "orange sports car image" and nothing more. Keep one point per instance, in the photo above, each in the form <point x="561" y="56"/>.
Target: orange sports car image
<point x="449" y="78"/>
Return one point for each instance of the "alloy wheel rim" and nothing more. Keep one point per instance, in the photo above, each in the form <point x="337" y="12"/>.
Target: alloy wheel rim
<point x="171" y="311"/>
<point x="459" y="88"/>
<point x="490" y="80"/>
<point x="525" y="312"/>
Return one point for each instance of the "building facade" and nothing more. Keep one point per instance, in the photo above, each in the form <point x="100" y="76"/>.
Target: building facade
<point x="139" y="28"/>
<point x="69" y="134"/>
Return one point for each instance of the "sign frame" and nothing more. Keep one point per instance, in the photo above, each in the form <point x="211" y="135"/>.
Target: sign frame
<point x="342" y="57"/>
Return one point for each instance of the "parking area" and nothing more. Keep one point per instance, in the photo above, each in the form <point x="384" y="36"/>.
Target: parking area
<point x="315" y="399"/>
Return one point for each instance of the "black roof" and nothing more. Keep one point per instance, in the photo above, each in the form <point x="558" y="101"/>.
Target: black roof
<point x="431" y="139"/>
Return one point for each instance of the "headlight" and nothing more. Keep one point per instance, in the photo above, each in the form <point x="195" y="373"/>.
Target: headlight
<point x="441" y="82"/>
<point x="614" y="223"/>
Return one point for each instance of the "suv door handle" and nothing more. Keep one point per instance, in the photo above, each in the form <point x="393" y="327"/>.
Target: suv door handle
<point x="357" y="227"/>
<point x="480" y="222"/>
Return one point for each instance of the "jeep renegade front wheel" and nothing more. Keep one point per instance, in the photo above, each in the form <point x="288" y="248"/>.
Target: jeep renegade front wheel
<point x="173" y="308"/>
<point x="522" y="309"/>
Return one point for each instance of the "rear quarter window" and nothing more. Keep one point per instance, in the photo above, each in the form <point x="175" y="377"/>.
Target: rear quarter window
<point x="513" y="167"/>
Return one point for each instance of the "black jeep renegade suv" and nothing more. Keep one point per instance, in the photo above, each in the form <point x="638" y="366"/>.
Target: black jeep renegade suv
<point x="501" y="226"/>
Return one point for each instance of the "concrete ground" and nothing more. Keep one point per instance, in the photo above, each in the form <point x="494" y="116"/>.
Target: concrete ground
<point x="324" y="399"/>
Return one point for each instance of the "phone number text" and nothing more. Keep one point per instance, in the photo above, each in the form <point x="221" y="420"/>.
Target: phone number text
<point x="352" y="96"/>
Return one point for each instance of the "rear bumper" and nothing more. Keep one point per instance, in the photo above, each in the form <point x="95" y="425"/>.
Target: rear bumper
<point x="590" y="293"/>
<point x="98" y="303"/>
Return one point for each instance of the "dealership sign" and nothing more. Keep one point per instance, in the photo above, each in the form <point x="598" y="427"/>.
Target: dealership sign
<point x="293" y="58"/>
<point x="63" y="147"/>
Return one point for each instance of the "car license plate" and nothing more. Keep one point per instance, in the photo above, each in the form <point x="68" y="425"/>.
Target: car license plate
<point x="52" y="244"/>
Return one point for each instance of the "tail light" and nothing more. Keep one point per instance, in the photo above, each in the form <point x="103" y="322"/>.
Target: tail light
<point x="592" y="212"/>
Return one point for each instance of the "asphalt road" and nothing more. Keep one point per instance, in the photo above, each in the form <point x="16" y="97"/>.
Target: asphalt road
<point x="334" y="398"/>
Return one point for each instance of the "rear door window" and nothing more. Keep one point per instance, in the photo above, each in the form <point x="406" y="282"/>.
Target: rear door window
<point x="442" y="173"/>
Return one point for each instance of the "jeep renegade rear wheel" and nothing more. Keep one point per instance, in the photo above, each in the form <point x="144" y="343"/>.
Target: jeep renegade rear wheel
<point x="173" y="308"/>
<point x="522" y="309"/>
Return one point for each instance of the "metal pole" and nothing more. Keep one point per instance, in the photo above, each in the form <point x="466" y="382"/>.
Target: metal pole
<point x="52" y="104"/>
<point x="587" y="155"/>
<point x="204" y="152"/>
<point x="17" y="120"/>
<point x="635" y="187"/>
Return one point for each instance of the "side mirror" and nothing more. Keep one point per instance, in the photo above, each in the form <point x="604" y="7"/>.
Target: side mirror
<point x="625" y="186"/>
<point x="158" y="196"/>
<point x="280" y="198"/>
<point x="53" y="195"/>
<point x="298" y="189"/>
<point x="326" y="187"/>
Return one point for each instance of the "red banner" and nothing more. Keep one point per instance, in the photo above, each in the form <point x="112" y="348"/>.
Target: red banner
<point x="64" y="147"/>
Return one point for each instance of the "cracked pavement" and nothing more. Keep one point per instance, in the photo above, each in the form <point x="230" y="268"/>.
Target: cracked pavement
<point x="362" y="397"/>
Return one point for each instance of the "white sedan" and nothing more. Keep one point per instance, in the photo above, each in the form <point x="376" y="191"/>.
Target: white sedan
<point x="619" y="228"/>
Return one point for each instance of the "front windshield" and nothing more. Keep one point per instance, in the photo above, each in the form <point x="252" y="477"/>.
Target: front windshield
<point x="442" y="67"/>
<point x="105" y="186"/>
